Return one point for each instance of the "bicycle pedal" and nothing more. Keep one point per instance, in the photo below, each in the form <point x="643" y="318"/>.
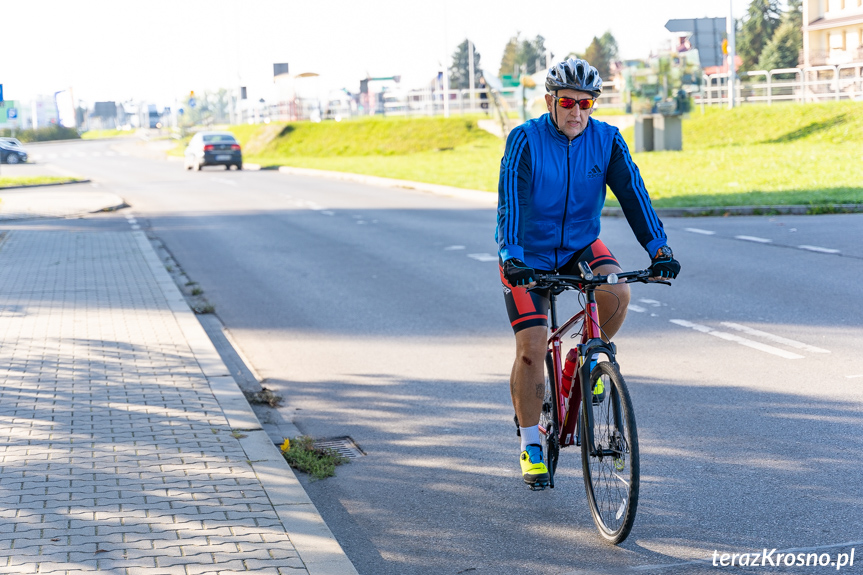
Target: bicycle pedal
<point x="537" y="486"/>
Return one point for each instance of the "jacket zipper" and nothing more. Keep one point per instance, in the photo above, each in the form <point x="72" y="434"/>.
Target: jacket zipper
<point x="565" y="206"/>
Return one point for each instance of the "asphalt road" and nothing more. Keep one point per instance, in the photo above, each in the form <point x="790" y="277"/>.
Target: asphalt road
<point x="378" y="314"/>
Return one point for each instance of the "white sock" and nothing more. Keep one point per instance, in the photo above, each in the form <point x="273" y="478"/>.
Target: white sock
<point x="529" y="435"/>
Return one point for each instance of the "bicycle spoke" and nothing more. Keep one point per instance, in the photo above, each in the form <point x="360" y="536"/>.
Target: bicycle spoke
<point x="611" y="479"/>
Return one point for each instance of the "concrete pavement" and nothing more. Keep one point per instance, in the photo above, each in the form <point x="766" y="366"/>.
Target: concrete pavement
<point x="126" y="446"/>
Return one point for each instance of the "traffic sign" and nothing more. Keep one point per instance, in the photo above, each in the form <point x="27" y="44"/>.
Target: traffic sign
<point x="1" y="92"/>
<point x="12" y="113"/>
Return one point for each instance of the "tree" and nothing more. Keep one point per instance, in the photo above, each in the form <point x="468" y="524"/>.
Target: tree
<point x="509" y="61"/>
<point x="783" y="50"/>
<point x="523" y="56"/>
<point x="761" y="21"/>
<point x="459" y="71"/>
<point x="601" y="54"/>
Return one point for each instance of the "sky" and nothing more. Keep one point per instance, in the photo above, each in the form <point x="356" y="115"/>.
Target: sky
<point x="160" y="50"/>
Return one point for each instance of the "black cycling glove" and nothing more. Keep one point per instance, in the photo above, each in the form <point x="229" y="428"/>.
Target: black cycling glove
<point x="663" y="265"/>
<point x="517" y="273"/>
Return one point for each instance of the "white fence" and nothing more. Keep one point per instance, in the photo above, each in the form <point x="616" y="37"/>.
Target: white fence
<point x="815" y="84"/>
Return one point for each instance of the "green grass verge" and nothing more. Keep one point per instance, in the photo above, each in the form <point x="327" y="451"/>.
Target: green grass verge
<point x="10" y="181"/>
<point x="318" y="463"/>
<point x="809" y="154"/>
<point x="95" y="134"/>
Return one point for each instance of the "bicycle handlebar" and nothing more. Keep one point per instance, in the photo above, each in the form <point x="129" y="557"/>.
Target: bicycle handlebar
<point x="593" y="281"/>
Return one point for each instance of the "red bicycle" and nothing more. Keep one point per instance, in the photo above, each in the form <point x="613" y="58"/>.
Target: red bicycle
<point x="604" y="426"/>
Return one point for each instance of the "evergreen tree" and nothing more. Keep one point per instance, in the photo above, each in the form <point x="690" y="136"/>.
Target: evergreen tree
<point x="601" y="54"/>
<point x="509" y="62"/>
<point x="459" y="71"/>
<point x="783" y="50"/>
<point x="757" y="29"/>
<point x="523" y="56"/>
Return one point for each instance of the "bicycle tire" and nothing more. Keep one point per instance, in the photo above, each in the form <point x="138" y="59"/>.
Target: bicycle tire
<point x="548" y="420"/>
<point x="611" y="482"/>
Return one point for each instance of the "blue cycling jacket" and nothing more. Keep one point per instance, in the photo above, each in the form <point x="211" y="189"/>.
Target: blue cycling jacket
<point x="551" y="192"/>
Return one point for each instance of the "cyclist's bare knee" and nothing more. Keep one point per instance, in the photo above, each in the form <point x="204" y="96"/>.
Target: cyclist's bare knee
<point x="531" y="345"/>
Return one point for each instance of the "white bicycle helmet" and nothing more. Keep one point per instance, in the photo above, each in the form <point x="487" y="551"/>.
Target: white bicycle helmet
<point x="574" y="74"/>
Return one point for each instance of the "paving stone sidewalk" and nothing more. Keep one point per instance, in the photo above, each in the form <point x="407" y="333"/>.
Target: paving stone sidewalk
<point x="125" y="447"/>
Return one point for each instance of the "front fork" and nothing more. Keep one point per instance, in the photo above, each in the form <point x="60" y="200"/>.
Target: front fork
<point x="585" y="353"/>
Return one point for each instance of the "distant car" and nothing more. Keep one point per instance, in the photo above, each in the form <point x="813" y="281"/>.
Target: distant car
<point x="12" y="152"/>
<point x="213" y="149"/>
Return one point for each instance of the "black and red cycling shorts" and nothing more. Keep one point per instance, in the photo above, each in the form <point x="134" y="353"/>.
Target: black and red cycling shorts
<point x="530" y="308"/>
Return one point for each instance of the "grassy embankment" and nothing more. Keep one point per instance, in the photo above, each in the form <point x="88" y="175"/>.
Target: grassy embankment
<point x="10" y="181"/>
<point x="808" y="154"/>
<point x="99" y="134"/>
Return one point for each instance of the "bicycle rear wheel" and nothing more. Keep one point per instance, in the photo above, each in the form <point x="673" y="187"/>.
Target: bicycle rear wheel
<point x="549" y="428"/>
<point x="611" y="475"/>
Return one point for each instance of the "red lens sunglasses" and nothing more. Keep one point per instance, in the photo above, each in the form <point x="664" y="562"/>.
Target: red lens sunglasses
<point x="569" y="103"/>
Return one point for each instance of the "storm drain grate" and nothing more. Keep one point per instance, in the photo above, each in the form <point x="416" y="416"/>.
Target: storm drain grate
<point x="344" y="446"/>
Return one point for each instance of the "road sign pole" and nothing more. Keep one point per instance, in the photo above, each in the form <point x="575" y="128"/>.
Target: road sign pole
<point x="731" y="30"/>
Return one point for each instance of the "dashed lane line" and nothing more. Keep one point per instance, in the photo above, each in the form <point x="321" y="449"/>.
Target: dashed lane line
<point x="451" y="248"/>
<point x="483" y="257"/>
<point x="737" y="339"/>
<point x="700" y="231"/>
<point x="775" y="338"/>
<point x="819" y="249"/>
<point x="754" y="239"/>
<point x="636" y="308"/>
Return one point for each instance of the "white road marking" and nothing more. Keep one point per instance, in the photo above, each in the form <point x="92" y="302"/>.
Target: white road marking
<point x="636" y="308"/>
<point x="483" y="257"/>
<point x="449" y="248"/>
<point x="737" y="339"/>
<point x="652" y="302"/>
<point x="699" y="231"/>
<point x="754" y="239"/>
<point x="224" y="181"/>
<point x="132" y="220"/>
<point x="819" y="250"/>
<point x="328" y="213"/>
<point x="361" y="221"/>
<point x="776" y="338"/>
<point x="136" y="227"/>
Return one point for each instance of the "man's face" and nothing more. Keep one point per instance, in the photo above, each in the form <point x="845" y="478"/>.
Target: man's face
<point x="571" y="122"/>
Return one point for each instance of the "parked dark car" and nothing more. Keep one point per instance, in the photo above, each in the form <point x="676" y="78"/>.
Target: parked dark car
<point x="213" y="149"/>
<point x="12" y="152"/>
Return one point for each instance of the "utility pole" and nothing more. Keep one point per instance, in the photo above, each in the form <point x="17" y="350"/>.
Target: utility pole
<point x="731" y="30"/>
<point x="471" y="72"/>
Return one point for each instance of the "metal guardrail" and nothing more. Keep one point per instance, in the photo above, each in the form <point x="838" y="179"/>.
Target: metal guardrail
<point x="813" y="84"/>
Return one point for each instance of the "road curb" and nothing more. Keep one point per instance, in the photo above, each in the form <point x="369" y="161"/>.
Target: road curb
<point x="44" y="185"/>
<point x="747" y="211"/>
<point x="491" y="198"/>
<point x="314" y="542"/>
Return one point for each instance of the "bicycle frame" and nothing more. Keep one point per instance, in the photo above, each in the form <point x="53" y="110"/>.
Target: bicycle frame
<point x="591" y="342"/>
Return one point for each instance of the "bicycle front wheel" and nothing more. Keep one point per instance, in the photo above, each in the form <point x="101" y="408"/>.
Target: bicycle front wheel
<point x="611" y="472"/>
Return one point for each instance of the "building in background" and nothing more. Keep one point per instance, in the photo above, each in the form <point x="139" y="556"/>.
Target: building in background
<point x="832" y="32"/>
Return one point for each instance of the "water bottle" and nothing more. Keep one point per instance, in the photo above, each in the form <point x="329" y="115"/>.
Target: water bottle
<point x="569" y="368"/>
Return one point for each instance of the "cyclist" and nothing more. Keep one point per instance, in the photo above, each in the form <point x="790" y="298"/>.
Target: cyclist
<point x="553" y="177"/>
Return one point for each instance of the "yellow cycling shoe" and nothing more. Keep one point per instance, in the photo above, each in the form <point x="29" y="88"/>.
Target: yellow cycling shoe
<point x="533" y="470"/>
